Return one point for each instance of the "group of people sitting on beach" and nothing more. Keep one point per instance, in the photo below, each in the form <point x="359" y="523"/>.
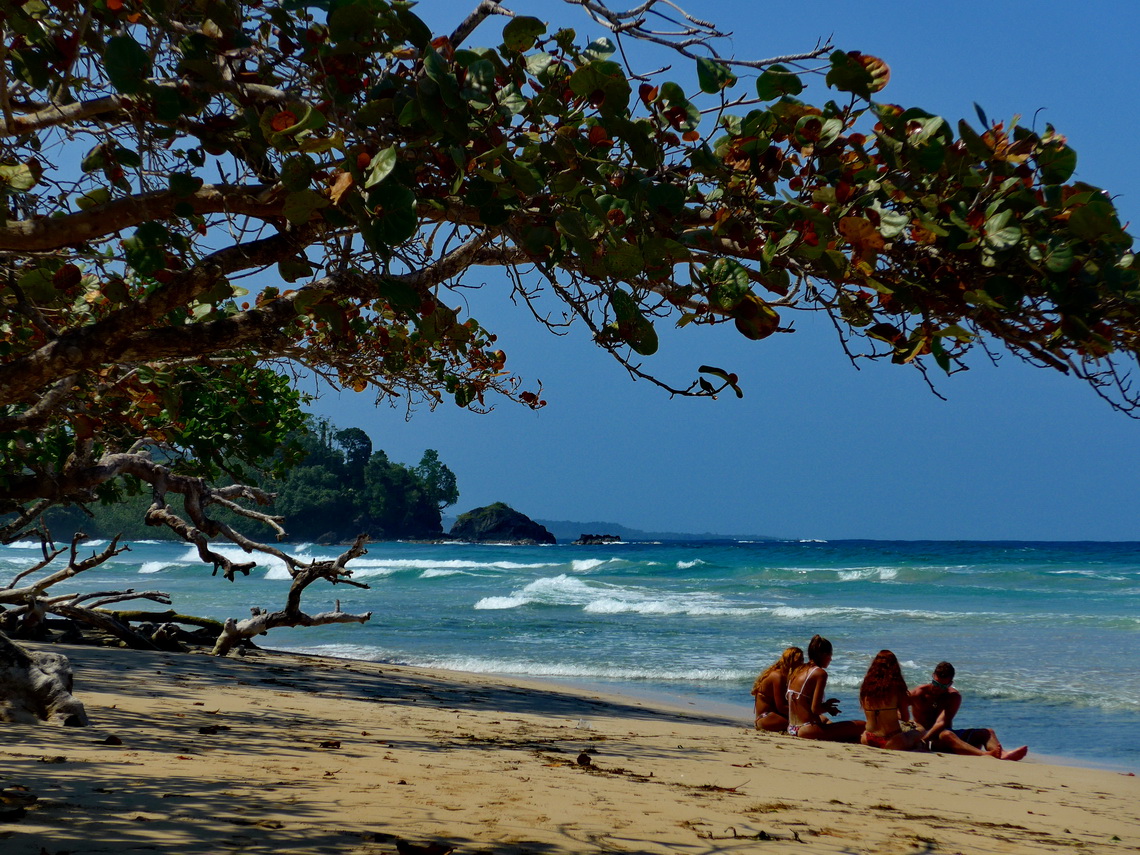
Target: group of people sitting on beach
<point x="791" y="696"/>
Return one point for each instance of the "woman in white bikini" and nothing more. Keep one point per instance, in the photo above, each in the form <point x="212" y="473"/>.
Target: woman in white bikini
<point x="806" y="702"/>
<point x="770" y="691"/>
<point x="886" y="703"/>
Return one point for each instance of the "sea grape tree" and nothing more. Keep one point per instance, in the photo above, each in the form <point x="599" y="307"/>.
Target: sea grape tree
<point x="199" y="197"/>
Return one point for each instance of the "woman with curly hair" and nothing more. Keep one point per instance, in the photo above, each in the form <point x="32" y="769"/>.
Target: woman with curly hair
<point x="886" y="702"/>
<point x="770" y="691"/>
<point x="807" y="704"/>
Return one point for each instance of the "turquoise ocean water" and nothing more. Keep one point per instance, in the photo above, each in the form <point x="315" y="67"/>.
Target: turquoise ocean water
<point x="1045" y="636"/>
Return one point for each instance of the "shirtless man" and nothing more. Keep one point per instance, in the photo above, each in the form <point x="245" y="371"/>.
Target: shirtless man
<point x="934" y="706"/>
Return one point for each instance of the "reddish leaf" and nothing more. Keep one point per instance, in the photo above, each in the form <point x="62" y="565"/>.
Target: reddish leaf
<point x="597" y="136"/>
<point x="343" y="183"/>
<point x="880" y="72"/>
<point x="283" y="120"/>
<point x="862" y="235"/>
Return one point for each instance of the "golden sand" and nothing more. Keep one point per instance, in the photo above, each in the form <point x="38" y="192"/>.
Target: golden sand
<point x="295" y="754"/>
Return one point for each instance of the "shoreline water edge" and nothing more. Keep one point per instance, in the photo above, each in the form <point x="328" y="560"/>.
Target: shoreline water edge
<point x="286" y="753"/>
<point x="1041" y="634"/>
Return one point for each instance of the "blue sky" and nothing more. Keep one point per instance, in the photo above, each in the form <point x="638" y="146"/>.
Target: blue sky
<point x="817" y="448"/>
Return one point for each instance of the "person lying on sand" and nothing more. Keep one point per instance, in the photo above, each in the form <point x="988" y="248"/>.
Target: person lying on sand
<point x="806" y="703"/>
<point x="886" y="703"/>
<point x="771" y="691"/>
<point x="935" y="705"/>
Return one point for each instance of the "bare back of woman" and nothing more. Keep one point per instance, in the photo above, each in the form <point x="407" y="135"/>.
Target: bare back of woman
<point x="886" y="703"/>
<point x="770" y="691"/>
<point x="808" y="706"/>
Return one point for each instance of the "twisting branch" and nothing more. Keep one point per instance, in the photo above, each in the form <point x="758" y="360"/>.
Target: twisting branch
<point x="692" y="32"/>
<point x="334" y="571"/>
<point x="484" y="10"/>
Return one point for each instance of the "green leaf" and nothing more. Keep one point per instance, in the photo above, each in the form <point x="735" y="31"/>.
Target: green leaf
<point x="1057" y="163"/>
<point x="714" y="76"/>
<point x="667" y="198"/>
<point x="439" y="72"/>
<point x="297" y="171"/>
<point x="479" y="85"/>
<point x="128" y="66"/>
<point x="539" y="241"/>
<point x="604" y="84"/>
<point x="307" y="299"/>
<point x="632" y="327"/>
<point x="399" y="295"/>
<point x="729" y="283"/>
<point x="300" y="205"/>
<point x="599" y="49"/>
<point x="396" y="221"/>
<point x="777" y="81"/>
<point x="623" y="261"/>
<point x="521" y="32"/>
<point x="94" y="160"/>
<point x="1059" y="258"/>
<point x="974" y="143"/>
<point x="22" y="177"/>
<point x="292" y="269"/>
<point x="1097" y="221"/>
<point x="380" y="167"/>
<point x="754" y="318"/>
<point x="38" y="285"/>
<point x="849" y="75"/>
<point x="92" y="198"/>
<point x="350" y="22"/>
<point x="184" y="184"/>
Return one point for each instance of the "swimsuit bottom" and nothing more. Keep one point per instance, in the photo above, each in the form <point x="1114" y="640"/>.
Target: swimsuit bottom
<point x="794" y="729"/>
<point x="768" y="714"/>
<point x="876" y="740"/>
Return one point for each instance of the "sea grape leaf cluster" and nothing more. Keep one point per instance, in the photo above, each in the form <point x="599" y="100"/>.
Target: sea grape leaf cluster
<point x="197" y="195"/>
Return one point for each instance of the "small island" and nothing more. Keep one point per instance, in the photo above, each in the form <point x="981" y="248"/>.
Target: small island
<point x="595" y="539"/>
<point x="499" y="523"/>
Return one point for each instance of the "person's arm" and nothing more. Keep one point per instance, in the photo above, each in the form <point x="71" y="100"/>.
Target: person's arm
<point x="780" y="694"/>
<point x="945" y="719"/>
<point x="904" y="706"/>
<point x="819" y="704"/>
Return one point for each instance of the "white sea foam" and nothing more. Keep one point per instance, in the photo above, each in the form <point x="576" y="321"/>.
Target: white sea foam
<point x="685" y="565"/>
<point x="492" y="603"/>
<point x="585" y="565"/>
<point x="528" y="668"/>
<point x="599" y="598"/>
<point x="667" y="606"/>
<point x="884" y="574"/>
<point x="274" y="567"/>
<point x="387" y="566"/>
<point x="440" y="573"/>
<point x="864" y="612"/>
<point x="154" y="566"/>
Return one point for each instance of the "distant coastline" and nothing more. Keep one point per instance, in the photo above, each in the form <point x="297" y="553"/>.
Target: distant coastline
<point x="567" y="531"/>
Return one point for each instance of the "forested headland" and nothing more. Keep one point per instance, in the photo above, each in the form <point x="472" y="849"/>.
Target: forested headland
<point x="338" y="488"/>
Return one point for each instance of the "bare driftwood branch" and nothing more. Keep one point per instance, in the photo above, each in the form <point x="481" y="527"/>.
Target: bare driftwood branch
<point x="334" y="571"/>
<point x="36" y="686"/>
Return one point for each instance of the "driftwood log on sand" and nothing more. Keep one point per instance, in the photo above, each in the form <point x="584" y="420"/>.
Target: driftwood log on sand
<point x="36" y="686"/>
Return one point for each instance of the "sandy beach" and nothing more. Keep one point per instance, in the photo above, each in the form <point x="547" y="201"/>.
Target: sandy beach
<point x="283" y="753"/>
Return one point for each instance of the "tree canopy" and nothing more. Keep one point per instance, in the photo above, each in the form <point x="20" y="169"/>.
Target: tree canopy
<point x="342" y="488"/>
<point x="200" y="197"/>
